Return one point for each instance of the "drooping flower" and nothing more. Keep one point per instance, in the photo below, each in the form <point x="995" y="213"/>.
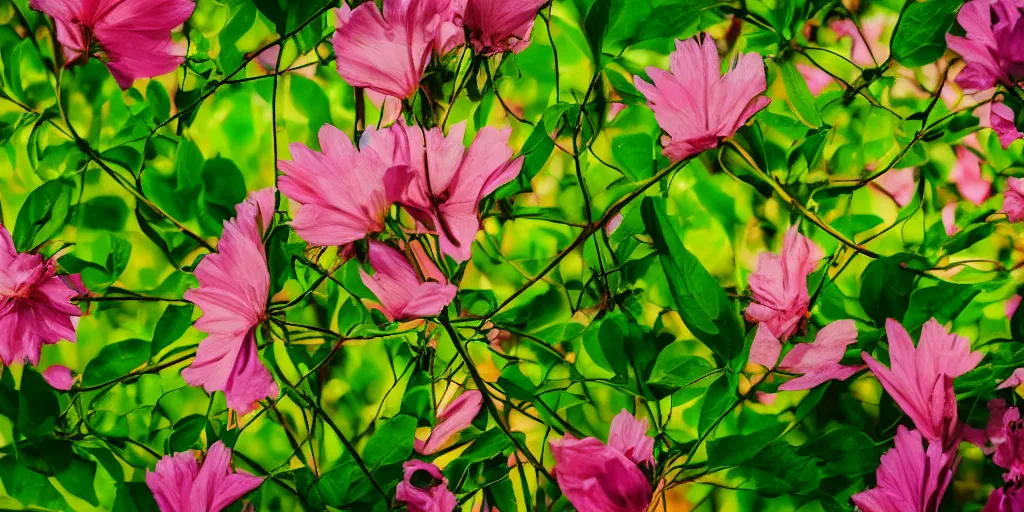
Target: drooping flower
<point x="899" y="184"/>
<point x="431" y="496"/>
<point x="863" y="52"/>
<point x="818" y="362"/>
<point x="992" y="45"/>
<point x="35" y="304"/>
<point x="949" y="219"/>
<point x="341" y="190"/>
<point x="817" y="80"/>
<point x="386" y="52"/>
<point x="695" y="104"/>
<point x="459" y="179"/>
<point x="131" y="37"/>
<point x="1013" y="199"/>
<point x="596" y="476"/>
<point x="911" y="478"/>
<point x="402" y="294"/>
<point x="779" y="286"/>
<point x="967" y="176"/>
<point x="1001" y="118"/>
<point x="455" y="418"/>
<point x="59" y="377"/>
<point x="498" y="26"/>
<point x="234" y="285"/>
<point x="181" y="484"/>
<point x="921" y="378"/>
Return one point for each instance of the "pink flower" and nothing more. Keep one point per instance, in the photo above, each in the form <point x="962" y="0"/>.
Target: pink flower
<point x="595" y="476"/>
<point x="341" y="190"/>
<point x="35" y="304"/>
<point x="1013" y="199"/>
<point x="1011" y="305"/>
<point x="921" y="379"/>
<point x="131" y="37"/>
<point x="949" y="219"/>
<point x="434" y="497"/>
<point x="1005" y="499"/>
<point x="234" y="285"/>
<point x="59" y="377"/>
<point x="180" y="484"/>
<point x="386" y="53"/>
<point x="967" y="176"/>
<point x="899" y="184"/>
<point x="910" y="478"/>
<point x="992" y="46"/>
<point x="498" y="26"/>
<point x="817" y="80"/>
<point x="1009" y="453"/>
<point x="1016" y="379"/>
<point x="400" y="291"/>
<point x="779" y="286"/>
<point x="1002" y="120"/>
<point x="695" y="104"/>
<point x="861" y="51"/>
<point x="390" y="107"/>
<point x="458" y="180"/>
<point x="818" y="362"/>
<point x="449" y="33"/>
<point x="992" y="435"/>
<point x="455" y="418"/>
<point x="766" y="348"/>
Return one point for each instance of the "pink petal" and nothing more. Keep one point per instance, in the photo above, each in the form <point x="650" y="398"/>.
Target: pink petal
<point x="593" y="476"/>
<point x="910" y="478"/>
<point x="629" y="436"/>
<point x="436" y="498"/>
<point x="497" y="26"/>
<point x="171" y="482"/>
<point x="59" y="377"/>
<point x="949" y="219"/>
<point x="215" y="485"/>
<point x="1002" y="119"/>
<point x="398" y="288"/>
<point x="1013" y="199"/>
<point x="766" y="347"/>
<point x="453" y="419"/>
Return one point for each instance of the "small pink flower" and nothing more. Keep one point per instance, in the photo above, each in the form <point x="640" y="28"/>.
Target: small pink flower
<point x="967" y="176"/>
<point x="386" y="52"/>
<point x="454" y="418"/>
<point x="817" y="80"/>
<point x="435" y="497"/>
<point x="458" y="180"/>
<point x="992" y="45"/>
<point x="921" y="379"/>
<point x="1009" y="453"/>
<point x="818" y="362"/>
<point x="341" y="190"/>
<point x="1015" y="379"/>
<point x="1013" y="199"/>
<point x="1002" y="120"/>
<point x="695" y="104"/>
<point x="861" y="51"/>
<point x="35" y="304"/>
<point x="949" y="219"/>
<point x="59" y="377"/>
<point x="910" y="477"/>
<point x="180" y="484"/>
<point x="596" y="476"/>
<point x="131" y="37"/>
<point x="402" y="294"/>
<point x="498" y="26"/>
<point x="992" y="435"/>
<point x="234" y="285"/>
<point x="779" y="286"/>
<point x="899" y="184"/>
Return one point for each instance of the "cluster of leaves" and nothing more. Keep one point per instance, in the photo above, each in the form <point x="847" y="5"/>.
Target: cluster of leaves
<point x="563" y="321"/>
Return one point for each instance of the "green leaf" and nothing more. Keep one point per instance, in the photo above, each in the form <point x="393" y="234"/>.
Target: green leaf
<point x="676" y="367"/>
<point x="173" y="323"/>
<point x="392" y="443"/>
<point x="920" y="36"/>
<point x="799" y="97"/>
<point x="186" y="433"/>
<point x="43" y="215"/>
<point x="105" y="212"/>
<point x="885" y="290"/>
<point x="968" y="237"/>
<point x="700" y="300"/>
<point x="721" y="394"/>
<point x="737" y="449"/>
<point x="115" y="361"/>
<point x="38" y="407"/>
<point x="943" y="301"/>
<point x="595" y="26"/>
<point x="635" y="152"/>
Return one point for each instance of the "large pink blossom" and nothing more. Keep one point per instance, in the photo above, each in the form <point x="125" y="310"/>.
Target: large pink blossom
<point x="1001" y="117"/>
<point x="435" y="497"/>
<point x="967" y="176"/>
<point x="132" y="37"/>
<point x="695" y="104"/>
<point x="818" y="362"/>
<point x="454" y="418"/>
<point x="341" y="189"/>
<point x="921" y="378"/>
<point x="596" y="476"/>
<point x="386" y="52"/>
<point x="911" y="477"/>
<point x="459" y="179"/>
<point x="35" y="304"/>
<point x="991" y="48"/>
<point x="497" y="26"/>
<point x="234" y="285"/>
<point x="402" y="293"/>
<point x="779" y="286"/>
<point x="181" y="484"/>
<point x="1013" y="199"/>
